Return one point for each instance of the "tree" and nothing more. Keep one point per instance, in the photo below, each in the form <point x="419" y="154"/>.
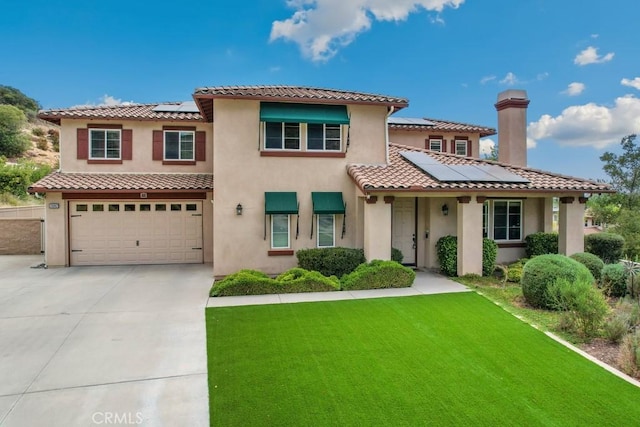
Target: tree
<point x="493" y="154"/>
<point x="605" y="208"/>
<point x="12" y="141"/>
<point x="12" y="96"/>
<point x="624" y="171"/>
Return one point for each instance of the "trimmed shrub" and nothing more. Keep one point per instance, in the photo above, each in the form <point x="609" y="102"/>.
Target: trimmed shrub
<point x="613" y="280"/>
<point x="396" y="255"/>
<point x="608" y="246"/>
<point x="252" y="282"/>
<point x="582" y="304"/>
<point x="489" y="255"/>
<point x="541" y="244"/>
<point x="591" y="261"/>
<point x="377" y="275"/>
<point x="629" y="356"/>
<point x="541" y="272"/>
<point x="514" y="270"/>
<point x="447" y="250"/>
<point x="331" y="261"/>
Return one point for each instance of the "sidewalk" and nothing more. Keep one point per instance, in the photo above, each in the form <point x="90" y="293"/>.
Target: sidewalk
<point x="426" y="283"/>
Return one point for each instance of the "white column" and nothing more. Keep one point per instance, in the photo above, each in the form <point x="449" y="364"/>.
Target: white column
<point x="377" y="229"/>
<point x="547" y="214"/>
<point x="571" y="225"/>
<point x="469" y="218"/>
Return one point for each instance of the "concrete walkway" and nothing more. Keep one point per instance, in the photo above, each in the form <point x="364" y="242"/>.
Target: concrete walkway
<point x="426" y="283"/>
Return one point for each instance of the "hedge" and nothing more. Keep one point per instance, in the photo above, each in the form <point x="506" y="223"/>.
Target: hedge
<point x="377" y="275"/>
<point x="591" y="261"/>
<point x="330" y="261"/>
<point x="541" y="272"/>
<point x="252" y="282"/>
<point x="541" y="244"/>
<point x="608" y="246"/>
<point x="447" y="251"/>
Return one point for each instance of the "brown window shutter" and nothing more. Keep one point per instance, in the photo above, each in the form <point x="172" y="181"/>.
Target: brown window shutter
<point x="453" y="146"/>
<point x="469" y="153"/>
<point x="158" y="143"/>
<point x="427" y="144"/>
<point x="83" y="144"/>
<point x="201" y="146"/>
<point x="127" y="144"/>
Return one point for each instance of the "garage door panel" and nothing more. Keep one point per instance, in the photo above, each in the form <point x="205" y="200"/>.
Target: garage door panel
<point x="103" y="233"/>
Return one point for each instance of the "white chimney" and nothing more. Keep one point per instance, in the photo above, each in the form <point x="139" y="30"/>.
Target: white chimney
<point x="512" y="126"/>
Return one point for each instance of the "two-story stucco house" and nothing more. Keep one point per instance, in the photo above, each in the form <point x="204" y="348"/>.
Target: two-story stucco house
<point x="244" y="176"/>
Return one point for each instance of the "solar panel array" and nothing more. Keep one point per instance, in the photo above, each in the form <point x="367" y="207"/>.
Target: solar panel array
<point x="184" y="107"/>
<point x="410" y="121"/>
<point x="462" y="173"/>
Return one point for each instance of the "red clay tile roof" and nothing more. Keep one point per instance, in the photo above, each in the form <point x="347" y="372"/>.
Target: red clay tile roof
<point x="108" y="182"/>
<point x="120" y="112"/>
<point x="400" y="174"/>
<point x="445" y="126"/>
<point x="205" y="95"/>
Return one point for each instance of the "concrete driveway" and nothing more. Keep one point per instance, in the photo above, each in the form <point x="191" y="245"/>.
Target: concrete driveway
<point x="102" y="345"/>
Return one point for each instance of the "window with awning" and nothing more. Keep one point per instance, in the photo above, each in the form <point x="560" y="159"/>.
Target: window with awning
<point x="281" y="112"/>
<point x="327" y="204"/>
<point x="277" y="208"/>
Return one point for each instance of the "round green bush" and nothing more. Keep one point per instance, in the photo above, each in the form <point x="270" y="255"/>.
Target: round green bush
<point x="396" y="255"/>
<point x="540" y="272"/>
<point x="608" y="246"/>
<point x="613" y="280"/>
<point x="378" y="275"/>
<point x="591" y="261"/>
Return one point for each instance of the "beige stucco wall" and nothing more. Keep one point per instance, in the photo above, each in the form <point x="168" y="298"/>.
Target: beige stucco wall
<point x="142" y="159"/>
<point x="56" y="242"/>
<point x="418" y="139"/>
<point x="36" y="211"/>
<point x="20" y="236"/>
<point x="377" y="237"/>
<point x="242" y="176"/>
<point x="571" y="228"/>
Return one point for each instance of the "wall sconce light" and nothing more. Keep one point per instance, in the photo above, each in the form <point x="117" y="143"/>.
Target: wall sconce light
<point x="239" y="209"/>
<point x="445" y="210"/>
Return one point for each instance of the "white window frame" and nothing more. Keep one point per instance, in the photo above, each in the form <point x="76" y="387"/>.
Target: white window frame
<point x="434" y="141"/>
<point x="282" y="137"/>
<point x="461" y="143"/>
<point x="105" y="131"/>
<point x="288" y="231"/>
<point x="180" y="133"/>
<point x="490" y="220"/>
<point x="333" y="230"/>
<point x="324" y="138"/>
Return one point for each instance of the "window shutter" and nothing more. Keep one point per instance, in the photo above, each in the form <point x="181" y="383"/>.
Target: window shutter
<point x="201" y="146"/>
<point x="127" y="144"/>
<point x="453" y="146"/>
<point x="427" y="144"/>
<point x="83" y="144"/>
<point x="158" y="142"/>
<point x="469" y="153"/>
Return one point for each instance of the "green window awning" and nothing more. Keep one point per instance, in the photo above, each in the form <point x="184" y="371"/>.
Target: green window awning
<point x="303" y="113"/>
<point x="280" y="203"/>
<point x="327" y="203"/>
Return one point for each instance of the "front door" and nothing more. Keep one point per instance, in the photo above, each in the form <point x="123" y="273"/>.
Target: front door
<point x="404" y="228"/>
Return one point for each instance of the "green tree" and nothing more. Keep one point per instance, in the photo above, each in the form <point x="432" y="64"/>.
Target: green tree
<point x="624" y="171"/>
<point x="605" y="208"/>
<point x="628" y="226"/>
<point x="493" y="154"/>
<point x="12" y="141"/>
<point x="12" y="96"/>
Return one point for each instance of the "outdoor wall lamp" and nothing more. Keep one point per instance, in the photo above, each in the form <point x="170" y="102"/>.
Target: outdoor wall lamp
<point x="239" y="209"/>
<point x="445" y="210"/>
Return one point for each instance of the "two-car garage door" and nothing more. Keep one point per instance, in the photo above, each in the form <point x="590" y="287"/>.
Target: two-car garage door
<point x="134" y="232"/>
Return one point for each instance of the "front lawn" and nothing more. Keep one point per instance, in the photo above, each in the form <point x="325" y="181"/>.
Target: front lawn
<point x="453" y="359"/>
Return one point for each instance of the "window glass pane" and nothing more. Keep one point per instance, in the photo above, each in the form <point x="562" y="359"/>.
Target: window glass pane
<point x="113" y="144"/>
<point x="314" y="136"/>
<point x="81" y="208"/>
<point x="161" y="207"/>
<point x="192" y="207"/>
<point x="129" y="208"/>
<point x="145" y="208"/>
<point x="97" y="142"/>
<point x="186" y="145"/>
<point x="333" y="131"/>
<point x="273" y="135"/>
<point x="485" y="219"/>
<point x="114" y="208"/>
<point x="435" y="145"/>
<point x="171" y="145"/>
<point x="98" y="208"/>
<point x="291" y="136"/>
<point x="176" y="207"/>
<point x="499" y="220"/>
<point x="280" y="231"/>
<point x="325" y="230"/>
<point x="461" y="148"/>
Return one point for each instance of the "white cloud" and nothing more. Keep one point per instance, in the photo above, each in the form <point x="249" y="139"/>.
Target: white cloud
<point x="510" y="79"/>
<point x="542" y="76"/>
<point x="574" y="89"/>
<point x="635" y="83"/>
<point x="104" y="101"/>
<point x="486" y="145"/>
<point x="322" y="27"/>
<point x="590" y="124"/>
<point x="531" y="143"/>
<point x="590" y="56"/>
<point x="487" y="79"/>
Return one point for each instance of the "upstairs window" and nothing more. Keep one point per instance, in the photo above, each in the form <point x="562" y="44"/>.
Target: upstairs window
<point x="282" y="136"/>
<point x="461" y="147"/>
<point x="324" y="137"/>
<point x="179" y="145"/>
<point x="104" y="143"/>
<point x="435" y="144"/>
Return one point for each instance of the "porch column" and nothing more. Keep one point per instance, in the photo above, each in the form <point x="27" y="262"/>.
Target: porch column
<point x="55" y="251"/>
<point x="469" y="235"/>
<point x="571" y="225"/>
<point x="547" y="214"/>
<point x="377" y="229"/>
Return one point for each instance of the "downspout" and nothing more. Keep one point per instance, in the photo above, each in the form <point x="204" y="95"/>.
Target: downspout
<point x="386" y="123"/>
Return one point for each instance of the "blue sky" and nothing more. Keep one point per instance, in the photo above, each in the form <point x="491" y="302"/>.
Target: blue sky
<point x="578" y="61"/>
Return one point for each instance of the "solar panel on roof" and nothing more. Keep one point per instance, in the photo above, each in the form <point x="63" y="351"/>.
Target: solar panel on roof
<point x="184" y="107"/>
<point x="410" y="121"/>
<point x="461" y="173"/>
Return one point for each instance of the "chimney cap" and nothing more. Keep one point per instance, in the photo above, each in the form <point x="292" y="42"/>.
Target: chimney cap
<point x="512" y="94"/>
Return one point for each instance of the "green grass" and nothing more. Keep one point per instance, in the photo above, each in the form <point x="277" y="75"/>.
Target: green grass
<point x="455" y="359"/>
